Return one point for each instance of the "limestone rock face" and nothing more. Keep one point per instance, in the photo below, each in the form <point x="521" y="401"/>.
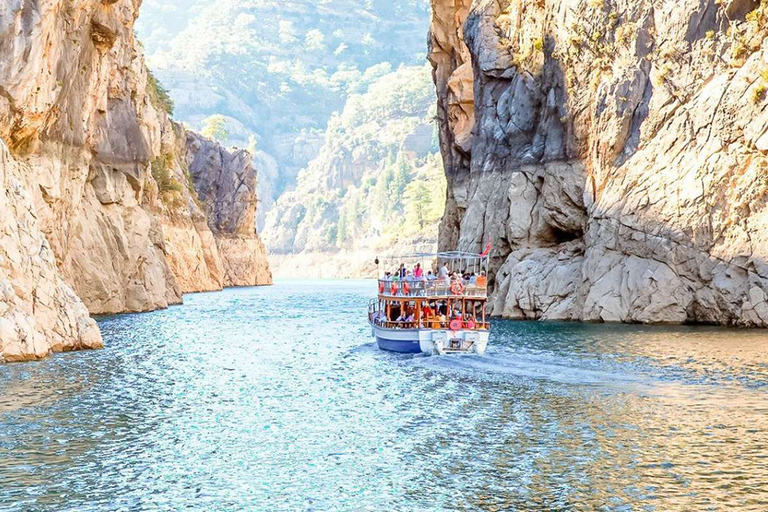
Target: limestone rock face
<point x="617" y="159"/>
<point x="39" y="312"/>
<point x="99" y="212"/>
<point x="452" y="73"/>
<point x="226" y="185"/>
<point x="76" y="110"/>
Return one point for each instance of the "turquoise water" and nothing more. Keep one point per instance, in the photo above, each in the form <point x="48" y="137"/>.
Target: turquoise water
<point x="276" y="399"/>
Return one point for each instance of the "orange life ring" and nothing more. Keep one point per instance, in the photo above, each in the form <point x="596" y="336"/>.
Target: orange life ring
<point x="406" y="289"/>
<point x="457" y="288"/>
<point x="393" y="289"/>
<point x="381" y="288"/>
<point x="455" y="325"/>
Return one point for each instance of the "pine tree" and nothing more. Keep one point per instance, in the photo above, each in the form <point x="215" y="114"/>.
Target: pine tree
<point x="341" y="236"/>
<point x="401" y="180"/>
<point x="417" y="203"/>
<point x="382" y="195"/>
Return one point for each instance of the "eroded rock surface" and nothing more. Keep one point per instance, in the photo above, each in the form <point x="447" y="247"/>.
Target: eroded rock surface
<point x="226" y="185"/>
<point x="39" y="312"/>
<point x="614" y="155"/>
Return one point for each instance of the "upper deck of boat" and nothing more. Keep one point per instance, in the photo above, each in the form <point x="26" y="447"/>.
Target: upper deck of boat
<point x="436" y="289"/>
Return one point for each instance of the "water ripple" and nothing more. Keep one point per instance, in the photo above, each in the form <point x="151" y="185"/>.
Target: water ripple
<point x="275" y="398"/>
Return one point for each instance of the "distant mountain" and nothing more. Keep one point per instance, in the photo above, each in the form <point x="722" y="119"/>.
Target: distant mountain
<point x="378" y="180"/>
<point x="277" y="70"/>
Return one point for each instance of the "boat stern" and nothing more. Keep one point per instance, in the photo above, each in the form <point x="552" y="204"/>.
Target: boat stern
<point x="440" y="342"/>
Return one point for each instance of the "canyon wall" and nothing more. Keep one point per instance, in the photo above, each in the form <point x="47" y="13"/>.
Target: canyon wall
<point x="99" y="212"/>
<point x="226" y="185"/>
<point x="612" y="151"/>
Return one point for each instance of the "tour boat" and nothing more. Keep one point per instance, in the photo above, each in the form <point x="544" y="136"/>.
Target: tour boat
<point x="446" y="314"/>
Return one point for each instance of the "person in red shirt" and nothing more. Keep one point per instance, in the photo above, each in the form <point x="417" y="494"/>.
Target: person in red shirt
<point x="417" y="271"/>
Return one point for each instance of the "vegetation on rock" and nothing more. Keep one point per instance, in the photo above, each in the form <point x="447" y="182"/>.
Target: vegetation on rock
<point x="167" y="184"/>
<point x="158" y="94"/>
<point x="215" y="127"/>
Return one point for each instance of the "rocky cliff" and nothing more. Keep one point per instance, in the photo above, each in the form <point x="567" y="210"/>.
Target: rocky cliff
<point x="207" y="207"/>
<point x="94" y="178"/>
<point x="613" y="152"/>
<point x="226" y="183"/>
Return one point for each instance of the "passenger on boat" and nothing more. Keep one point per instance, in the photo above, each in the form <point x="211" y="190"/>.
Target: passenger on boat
<point x="406" y="319"/>
<point x="426" y="311"/>
<point x="443" y="272"/>
<point x="430" y="276"/>
<point x="421" y="284"/>
<point x="482" y="280"/>
<point x="402" y="271"/>
<point x="417" y="271"/>
<point x="407" y="286"/>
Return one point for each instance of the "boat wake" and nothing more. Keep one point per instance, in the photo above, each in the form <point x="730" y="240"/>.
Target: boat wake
<point x="505" y="363"/>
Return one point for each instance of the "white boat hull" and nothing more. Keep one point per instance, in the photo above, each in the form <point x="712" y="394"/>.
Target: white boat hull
<point x="431" y="341"/>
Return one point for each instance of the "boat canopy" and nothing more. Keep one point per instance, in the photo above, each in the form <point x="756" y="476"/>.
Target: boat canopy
<point x="457" y="261"/>
<point x="444" y="255"/>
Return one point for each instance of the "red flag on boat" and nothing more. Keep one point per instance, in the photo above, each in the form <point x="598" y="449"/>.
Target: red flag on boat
<point x="487" y="250"/>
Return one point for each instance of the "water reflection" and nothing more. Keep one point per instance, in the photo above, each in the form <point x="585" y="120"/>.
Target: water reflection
<point x="224" y="405"/>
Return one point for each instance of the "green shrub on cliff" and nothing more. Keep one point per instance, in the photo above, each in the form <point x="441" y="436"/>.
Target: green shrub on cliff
<point x="158" y="94"/>
<point x="167" y="184"/>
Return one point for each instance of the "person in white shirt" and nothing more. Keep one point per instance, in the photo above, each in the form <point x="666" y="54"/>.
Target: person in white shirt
<point x="443" y="273"/>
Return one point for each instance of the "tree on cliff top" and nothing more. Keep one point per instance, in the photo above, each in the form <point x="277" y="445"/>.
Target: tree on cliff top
<point x="215" y="127"/>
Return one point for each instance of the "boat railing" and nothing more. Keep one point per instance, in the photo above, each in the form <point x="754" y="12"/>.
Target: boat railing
<point x="431" y="324"/>
<point x="435" y="288"/>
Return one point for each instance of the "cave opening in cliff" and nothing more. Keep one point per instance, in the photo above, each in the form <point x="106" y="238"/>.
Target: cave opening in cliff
<point x="562" y="236"/>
